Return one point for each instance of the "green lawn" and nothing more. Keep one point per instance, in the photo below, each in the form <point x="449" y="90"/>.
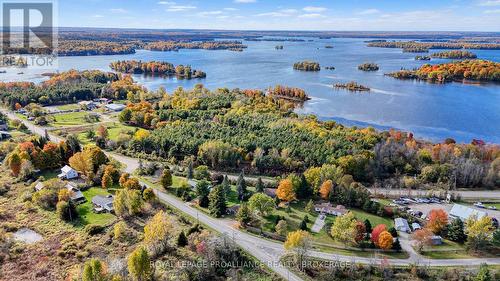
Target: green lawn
<point x="115" y="128"/>
<point x="72" y="106"/>
<point x="374" y="219"/>
<point x="87" y="215"/>
<point x="69" y="119"/>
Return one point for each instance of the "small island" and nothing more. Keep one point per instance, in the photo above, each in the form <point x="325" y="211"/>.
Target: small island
<point x="455" y="54"/>
<point x="330" y="68"/>
<point x="474" y="70"/>
<point x="279" y="47"/>
<point x="368" y="67"/>
<point x="307" y="66"/>
<point x="157" y="68"/>
<point x="288" y="93"/>
<point x="352" y="86"/>
<point x="328" y="47"/>
<point x="422" y="58"/>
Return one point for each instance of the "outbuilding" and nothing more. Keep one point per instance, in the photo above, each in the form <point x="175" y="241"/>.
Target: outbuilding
<point x="463" y="212"/>
<point x="401" y="224"/>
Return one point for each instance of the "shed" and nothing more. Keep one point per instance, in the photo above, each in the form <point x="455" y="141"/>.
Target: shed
<point x="115" y="107"/>
<point x="39" y="186"/>
<point x="415" y="226"/>
<point x="75" y="194"/>
<point x="401" y="225"/>
<point x="436" y="240"/>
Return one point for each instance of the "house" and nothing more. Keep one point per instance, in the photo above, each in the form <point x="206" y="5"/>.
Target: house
<point x="401" y="225"/>
<point x="271" y="192"/>
<point x="463" y="212"/>
<point x="103" y="203"/>
<point x="327" y="208"/>
<point x="39" y="186"/>
<point x="87" y="105"/>
<point x="4" y="127"/>
<point x="415" y="226"/>
<point x="102" y="100"/>
<point x="436" y="240"/>
<point x="75" y="194"/>
<point x="68" y="173"/>
<point x="4" y="135"/>
<point x="115" y="107"/>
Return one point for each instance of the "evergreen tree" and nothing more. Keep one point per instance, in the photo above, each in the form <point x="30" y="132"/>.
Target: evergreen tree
<point x="243" y="214"/>
<point x="226" y="185"/>
<point x="496" y="238"/>
<point x="66" y="210"/>
<point x="190" y="170"/>
<point x="139" y="264"/>
<point x="217" y="201"/>
<point x="396" y="245"/>
<point x="368" y="226"/>
<point x="202" y="191"/>
<point x="241" y="186"/>
<point x="182" y="239"/>
<point x="166" y="178"/>
<point x="456" y="231"/>
<point x="93" y="271"/>
<point x="259" y="187"/>
<point x="303" y="224"/>
<point x="309" y="208"/>
<point x="303" y="190"/>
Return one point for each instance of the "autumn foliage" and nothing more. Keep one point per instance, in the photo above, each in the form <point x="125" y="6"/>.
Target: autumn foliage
<point x="438" y="219"/>
<point x="385" y="240"/>
<point x="285" y="191"/>
<point x="325" y="189"/>
<point x="377" y="230"/>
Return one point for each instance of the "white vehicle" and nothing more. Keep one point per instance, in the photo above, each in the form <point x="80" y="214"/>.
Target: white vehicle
<point x="492" y="207"/>
<point x="479" y="205"/>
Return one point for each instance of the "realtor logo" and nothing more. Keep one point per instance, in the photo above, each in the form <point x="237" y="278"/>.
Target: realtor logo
<point x="28" y="30"/>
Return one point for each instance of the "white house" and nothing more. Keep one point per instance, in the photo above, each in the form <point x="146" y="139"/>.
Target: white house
<point x="463" y="212"/>
<point x="39" y="186"/>
<point x="68" y="173"/>
<point x="401" y="225"/>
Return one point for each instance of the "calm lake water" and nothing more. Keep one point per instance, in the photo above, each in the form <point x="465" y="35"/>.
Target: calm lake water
<point x="430" y="111"/>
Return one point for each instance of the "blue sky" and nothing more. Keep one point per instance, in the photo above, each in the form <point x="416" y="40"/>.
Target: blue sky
<point x="422" y="15"/>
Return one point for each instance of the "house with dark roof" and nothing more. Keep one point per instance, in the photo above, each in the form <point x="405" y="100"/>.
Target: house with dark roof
<point x="75" y="194"/>
<point x="327" y="208"/>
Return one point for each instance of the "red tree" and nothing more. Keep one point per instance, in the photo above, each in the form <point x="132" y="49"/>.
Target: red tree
<point x="438" y="219"/>
<point x="376" y="232"/>
<point x="360" y="232"/>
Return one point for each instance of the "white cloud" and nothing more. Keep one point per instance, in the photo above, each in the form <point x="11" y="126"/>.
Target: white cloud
<point x="311" y="16"/>
<point x="98" y="16"/>
<point x="369" y="12"/>
<point x="497" y="11"/>
<point x="179" y="8"/>
<point x="166" y="3"/>
<point x="209" y="13"/>
<point x="230" y="9"/>
<point x="489" y="3"/>
<point x="279" y="13"/>
<point x="118" y="11"/>
<point x="313" y="9"/>
<point x="245" y="1"/>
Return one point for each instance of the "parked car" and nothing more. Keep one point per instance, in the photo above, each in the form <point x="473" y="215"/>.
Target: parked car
<point x="479" y="205"/>
<point x="492" y="207"/>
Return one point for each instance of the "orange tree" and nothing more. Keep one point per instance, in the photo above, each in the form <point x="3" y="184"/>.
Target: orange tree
<point x="325" y="189"/>
<point x="438" y="219"/>
<point x="385" y="240"/>
<point x="285" y="191"/>
<point x="377" y="231"/>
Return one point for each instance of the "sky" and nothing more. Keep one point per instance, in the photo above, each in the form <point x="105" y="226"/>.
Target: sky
<point x="335" y="15"/>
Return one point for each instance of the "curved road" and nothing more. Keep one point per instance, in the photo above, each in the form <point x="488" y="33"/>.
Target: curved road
<point x="268" y="252"/>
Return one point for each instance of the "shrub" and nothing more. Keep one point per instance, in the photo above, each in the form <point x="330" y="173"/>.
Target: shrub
<point x="94" y="229"/>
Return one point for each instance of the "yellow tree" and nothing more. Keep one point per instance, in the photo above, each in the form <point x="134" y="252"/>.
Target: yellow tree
<point x="385" y="240"/>
<point x="479" y="232"/>
<point x="325" y="189"/>
<point x="81" y="163"/>
<point x="157" y="232"/>
<point x="299" y="242"/>
<point x="344" y="229"/>
<point x="285" y="191"/>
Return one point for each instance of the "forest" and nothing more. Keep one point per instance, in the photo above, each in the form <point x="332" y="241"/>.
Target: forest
<point x="206" y="45"/>
<point x="307" y="66"/>
<point x="454" y="54"/>
<point x="368" y="67"/>
<point x="477" y="70"/>
<point x="157" y="67"/>
<point x="352" y="86"/>
<point x="280" y="91"/>
<point x="434" y="45"/>
<point x="94" y="48"/>
<point x="234" y="130"/>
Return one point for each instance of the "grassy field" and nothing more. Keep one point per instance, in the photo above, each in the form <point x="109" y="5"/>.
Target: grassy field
<point x="87" y="215"/>
<point x="374" y="219"/>
<point x="69" y="119"/>
<point x="114" y="130"/>
<point x="72" y="106"/>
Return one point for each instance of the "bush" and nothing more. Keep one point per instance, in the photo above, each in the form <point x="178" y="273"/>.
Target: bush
<point x="201" y="172"/>
<point x="94" y="229"/>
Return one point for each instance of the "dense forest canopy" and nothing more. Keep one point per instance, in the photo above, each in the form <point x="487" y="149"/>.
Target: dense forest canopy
<point x="434" y="45"/>
<point x="478" y="70"/>
<point x="454" y="54"/>
<point x="307" y="66"/>
<point x="157" y="67"/>
<point x="207" y="45"/>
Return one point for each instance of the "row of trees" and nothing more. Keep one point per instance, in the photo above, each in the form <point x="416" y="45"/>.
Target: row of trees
<point x="434" y="45"/>
<point x="454" y="54"/>
<point x="207" y="45"/>
<point x="307" y="66"/>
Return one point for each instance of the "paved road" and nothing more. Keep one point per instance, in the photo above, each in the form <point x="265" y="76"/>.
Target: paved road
<point x="268" y="252"/>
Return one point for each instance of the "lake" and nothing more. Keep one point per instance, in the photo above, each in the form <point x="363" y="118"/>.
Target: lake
<point x="431" y="111"/>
